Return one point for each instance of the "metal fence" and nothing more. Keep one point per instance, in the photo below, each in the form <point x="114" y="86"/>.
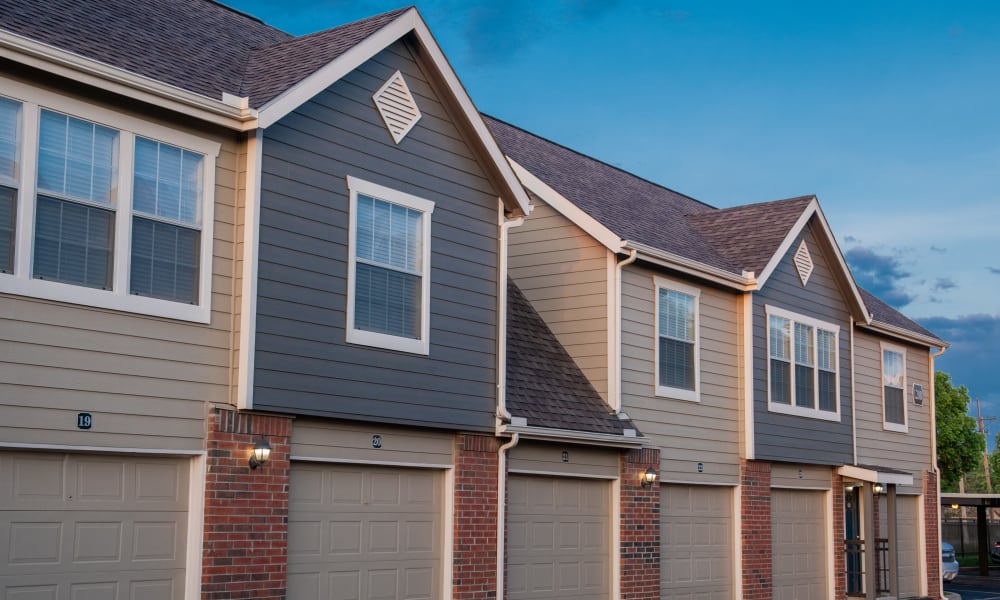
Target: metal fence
<point x="962" y="534"/>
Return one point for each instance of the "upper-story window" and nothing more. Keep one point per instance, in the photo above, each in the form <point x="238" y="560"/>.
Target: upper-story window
<point x="894" y="388"/>
<point x="388" y="292"/>
<point x="677" y="373"/>
<point x="103" y="209"/>
<point x="802" y="365"/>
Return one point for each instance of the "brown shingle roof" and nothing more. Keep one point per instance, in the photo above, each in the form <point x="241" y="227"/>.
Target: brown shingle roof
<point x="887" y="315"/>
<point x="544" y="384"/>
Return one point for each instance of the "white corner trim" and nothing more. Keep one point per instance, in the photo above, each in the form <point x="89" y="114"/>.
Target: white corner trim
<point x="566" y="208"/>
<point x="814" y="209"/>
<point x="72" y="66"/>
<point x="248" y="293"/>
<point x="196" y="526"/>
<point x="405" y="23"/>
<point x="747" y="377"/>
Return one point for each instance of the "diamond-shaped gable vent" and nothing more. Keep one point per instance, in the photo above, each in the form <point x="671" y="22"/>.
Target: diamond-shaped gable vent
<point x="803" y="262"/>
<point x="396" y="105"/>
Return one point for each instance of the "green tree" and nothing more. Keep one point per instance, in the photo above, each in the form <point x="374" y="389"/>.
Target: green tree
<point x="959" y="445"/>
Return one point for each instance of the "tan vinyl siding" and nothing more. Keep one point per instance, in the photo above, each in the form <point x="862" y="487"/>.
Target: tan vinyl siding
<point x="785" y="475"/>
<point x="564" y="274"/>
<point x="144" y="379"/>
<point x="688" y="433"/>
<point x="541" y="458"/>
<point x="910" y="451"/>
<point x="347" y="442"/>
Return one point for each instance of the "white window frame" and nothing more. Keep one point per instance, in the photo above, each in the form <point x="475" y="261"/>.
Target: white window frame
<point x="33" y="100"/>
<point x="664" y="391"/>
<point x="887" y="425"/>
<point x="420" y="345"/>
<point x="816" y="324"/>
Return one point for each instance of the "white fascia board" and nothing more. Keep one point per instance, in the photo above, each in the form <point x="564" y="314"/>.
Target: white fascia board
<point x="873" y="476"/>
<point x="904" y="335"/>
<point x="814" y="209"/>
<point x="232" y="115"/>
<point x="568" y="435"/>
<point x="567" y="209"/>
<point x="409" y="21"/>
<point x="744" y="283"/>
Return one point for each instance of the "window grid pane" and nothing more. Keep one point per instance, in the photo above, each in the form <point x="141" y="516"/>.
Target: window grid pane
<point x="73" y="243"/>
<point x="894" y="405"/>
<point x="804" y="392"/>
<point x="167" y="182"/>
<point x="676" y="364"/>
<point x="8" y="211"/>
<point x="386" y="301"/>
<point x="165" y="261"/>
<point x="677" y="315"/>
<point x="803" y="344"/>
<point x="76" y="158"/>
<point x="779" y="330"/>
<point x="828" y="391"/>
<point x="827" y="349"/>
<point x="9" y="117"/>
<point x="892" y="369"/>
<point x="781" y="382"/>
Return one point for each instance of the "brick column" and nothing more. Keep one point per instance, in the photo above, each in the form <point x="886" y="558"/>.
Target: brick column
<point x="640" y="527"/>
<point x="839" y="558"/>
<point x="245" y="544"/>
<point x="474" y="567"/>
<point x="932" y="543"/>
<point x="755" y="508"/>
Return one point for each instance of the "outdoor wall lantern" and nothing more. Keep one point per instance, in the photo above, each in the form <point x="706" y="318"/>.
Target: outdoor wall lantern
<point x="955" y="506"/>
<point x="648" y="478"/>
<point x="878" y="488"/>
<point x="261" y="452"/>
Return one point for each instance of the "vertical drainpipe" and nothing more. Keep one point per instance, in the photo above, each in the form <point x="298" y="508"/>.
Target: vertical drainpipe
<point x="854" y="412"/>
<point x="501" y="512"/>
<point x="934" y="468"/>
<point x="615" y="353"/>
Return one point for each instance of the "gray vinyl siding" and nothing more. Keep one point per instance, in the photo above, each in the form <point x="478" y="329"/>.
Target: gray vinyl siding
<point x="794" y="438"/>
<point x="563" y="272"/>
<point x="687" y="433"/>
<point x="145" y="380"/>
<point x="302" y="363"/>
<point x="910" y="451"/>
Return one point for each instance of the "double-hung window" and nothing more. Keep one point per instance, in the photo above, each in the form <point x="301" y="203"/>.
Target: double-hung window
<point x="389" y="268"/>
<point x="676" y="343"/>
<point x="894" y="388"/>
<point x="802" y="365"/>
<point x="103" y="209"/>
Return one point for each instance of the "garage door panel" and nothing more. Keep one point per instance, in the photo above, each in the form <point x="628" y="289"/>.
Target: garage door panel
<point x="97" y="585"/>
<point x="558" y="538"/>
<point x="798" y="544"/>
<point x="358" y="532"/>
<point x="696" y="559"/>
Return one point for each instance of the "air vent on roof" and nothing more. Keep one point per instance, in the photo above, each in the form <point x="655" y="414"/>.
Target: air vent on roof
<point x="397" y="107"/>
<point x="803" y="262"/>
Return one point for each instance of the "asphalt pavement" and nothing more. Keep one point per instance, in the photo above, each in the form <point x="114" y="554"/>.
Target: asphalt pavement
<point x="972" y="586"/>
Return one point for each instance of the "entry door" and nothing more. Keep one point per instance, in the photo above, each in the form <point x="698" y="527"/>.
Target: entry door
<point x="852" y="537"/>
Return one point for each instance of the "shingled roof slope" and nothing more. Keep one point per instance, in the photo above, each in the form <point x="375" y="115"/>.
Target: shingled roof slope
<point x="631" y="207"/>
<point x="274" y="69"/>
<point x="885" y="314"/>
<point x="544" y="384"/>
<point x="748" y="236"/>
<point x="197" y="45"/>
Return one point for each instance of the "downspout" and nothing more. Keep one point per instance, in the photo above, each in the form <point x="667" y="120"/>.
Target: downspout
<point x="501" y="506"/>
<point x="934" y="466"/>
<point x="854" y="412"/>
<point x="615" y="376"/>
<point x="502" y="414"/>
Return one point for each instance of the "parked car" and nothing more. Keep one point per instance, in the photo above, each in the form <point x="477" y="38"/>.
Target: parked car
<point x="949" y="564"/>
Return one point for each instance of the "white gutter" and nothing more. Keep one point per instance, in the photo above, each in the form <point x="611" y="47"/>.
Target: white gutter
<point x="230" y="112"/>
<point x="906" y="335"/>
<point x="501" y="506"/>
<point x="615" y="352"/>
<point x="627" y="440"/>
<point x="502" y="414"/>
<point x="745" y="282"/>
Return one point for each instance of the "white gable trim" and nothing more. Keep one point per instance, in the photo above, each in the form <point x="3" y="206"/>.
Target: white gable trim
<point x="567" y="209"/>
<point x="232" y="114"/>
<point x="793" y="233"/>
<point x="405" y="23"/>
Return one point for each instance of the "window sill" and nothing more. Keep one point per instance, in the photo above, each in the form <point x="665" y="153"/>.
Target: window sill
<point x="895" y="427"/>
<point x="388" y="342"/>
<point x="678" y="394"/>
<point x="85" y="296"/>
<point x="798" y="411"/>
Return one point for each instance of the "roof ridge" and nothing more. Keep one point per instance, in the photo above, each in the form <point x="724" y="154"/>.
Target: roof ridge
<point x="599" y="161"/>
<point x="750" y="205"/>
<point x="245" y="14"/>
<point x="304" y="37"/>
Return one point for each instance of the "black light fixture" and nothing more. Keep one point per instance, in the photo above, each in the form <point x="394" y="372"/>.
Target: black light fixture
<point x="878" y="488"/>
<point x="261" y="452"/>
<point x="648" y="478"/>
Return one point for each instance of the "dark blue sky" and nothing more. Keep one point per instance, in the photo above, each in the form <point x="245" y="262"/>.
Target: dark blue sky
<point x="888" y="111"/>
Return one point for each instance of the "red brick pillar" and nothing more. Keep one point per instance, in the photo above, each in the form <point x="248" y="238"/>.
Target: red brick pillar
<point x="932" y="543"/>
<point x="474" y="567"/>
<point x="245" y="544"/>
<point x="755" y="508"/>
<point x="839" y="558"/>
<point x="640" y="527"/>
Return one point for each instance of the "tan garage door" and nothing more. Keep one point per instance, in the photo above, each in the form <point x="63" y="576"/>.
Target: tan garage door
<point x="364" y="533"/>
<point x="558" y="542"/>
<point x="798" y="544"/>
<point x="696" y="533"/>
<point x="908" y="548"/>
<point x="94" y="527"/>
